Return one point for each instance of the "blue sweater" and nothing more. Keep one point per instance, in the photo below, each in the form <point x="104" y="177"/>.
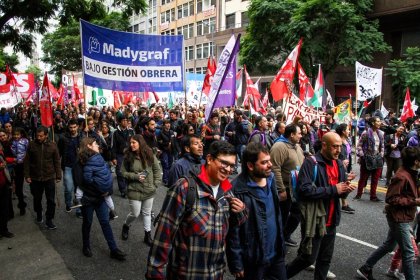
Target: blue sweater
<point x="97" y="173"/>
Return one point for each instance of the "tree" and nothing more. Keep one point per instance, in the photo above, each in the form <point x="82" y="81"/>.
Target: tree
<point x="19" y="20"/>
<point x="62" y="49"/>
<point x="405" y="73"/>
<point x="334" y="33"/>
<point x="6" y="59"/>
<point x="38" y="74"/>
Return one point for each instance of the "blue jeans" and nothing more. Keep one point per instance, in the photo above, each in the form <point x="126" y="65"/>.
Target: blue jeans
<point x="122" y="185"/>
<point x="68" y="186"/>
<point x="166" y="160"/>
<point x="398" y="233"/>
<point x="102" y="212"/>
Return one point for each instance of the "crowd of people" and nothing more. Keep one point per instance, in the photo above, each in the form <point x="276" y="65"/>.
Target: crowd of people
<point x="239" y="185"/>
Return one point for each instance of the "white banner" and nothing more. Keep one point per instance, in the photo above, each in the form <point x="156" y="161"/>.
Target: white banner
<point x="295" y="107"/>
<point x="384" y="111"/>
<point x="7" y="100"/>
<point x="368" y="81"/>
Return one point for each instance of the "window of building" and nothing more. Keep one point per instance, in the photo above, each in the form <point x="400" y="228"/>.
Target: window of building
<point x="189" y="53"/>
<point x="199" y="6"/>
<point x="167" y="16"/>
<point x="165" y="2"/>
<point x="206" y="26"/>
<point x="199" y="51"/>
<point x="136" y="28"/>
<point x="244" y="19"/>
<point x="230" y="21"/>
<point x="201" y="70"/>
<point x="168" y="32"/>
<point x="185" y="10"/>
<point x="190" y="70"/>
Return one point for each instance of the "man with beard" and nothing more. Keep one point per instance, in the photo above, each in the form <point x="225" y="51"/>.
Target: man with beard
<point x="260" y="135"/>
<point x="319" y="196"/>
<point x="42" y="171"/>
<point x="191" y="159"/>
<point x="149" y="135"/>
<point x="262" y="256"/>
<point x="165" y="139"/>
<point x="120" y="140"/>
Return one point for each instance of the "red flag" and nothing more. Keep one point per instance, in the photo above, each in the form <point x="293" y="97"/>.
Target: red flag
<point x="306" y="90"/>
<point x="284" y="78"/>
<point x="60" y="100"/>
<point x="77" y="93"/>
<point x="10" y="79"/>
<point x="407" y="111"/>
<point x="53" y="90"/>
<point x="252" y="92"/>
<point x="211" y="69"/>
<point x="45" y="106"/>
<point x="117" y="100"/>
<point x="156" y="96"/>
<point x="265" y="102"/>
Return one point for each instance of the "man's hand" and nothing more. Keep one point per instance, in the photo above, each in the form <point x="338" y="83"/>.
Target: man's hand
<point x="114" y="162"/>
<point x="239" y="274"/>
<point x="351" y="176"/>
<point x="345" y="187"/>
<point x="28" y="180"/>
<point x="236" y="205"/>
<point x="216" y="137"/>
<point x="346" y="162"/>
<point x="282" y="196"/>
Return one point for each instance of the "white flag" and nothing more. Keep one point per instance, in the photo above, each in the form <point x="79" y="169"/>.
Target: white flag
<point x="330" y="101"/>
<point x="368" y="81"/>
<point x="415" y="107"/>
<point x="384" y="111"/>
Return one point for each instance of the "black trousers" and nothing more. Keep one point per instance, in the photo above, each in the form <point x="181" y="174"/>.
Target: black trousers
<point x="37" y="190"/>
<point x="322" y="252"/>
<point x="19" y="185"/>
<point x="4" y="207"/>
<point x="276" y="270"/>
<point x="290" y="215"/>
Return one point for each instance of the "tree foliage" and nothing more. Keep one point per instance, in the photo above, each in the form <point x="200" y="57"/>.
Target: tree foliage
<point x="20" y="20"/>
<point x="406" y="73"/>
<point x="38" y="74"/>
<point x="334" y="33"/>
<point x="6" y="59"/>
<point x="62" y="49"/>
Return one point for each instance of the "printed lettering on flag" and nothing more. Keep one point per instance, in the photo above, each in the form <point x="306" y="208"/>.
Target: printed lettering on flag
<point x="25" y="83"/>
<point x="131" y="62"/>
<point x="368" y="81"/>
<point x="296" y="107"/>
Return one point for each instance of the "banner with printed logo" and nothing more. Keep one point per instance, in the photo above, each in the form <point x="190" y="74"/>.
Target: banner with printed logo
<point x="131" y="62"/>
<point x="25" y="84"/>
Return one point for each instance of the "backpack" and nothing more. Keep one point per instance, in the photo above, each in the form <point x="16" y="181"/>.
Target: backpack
<point x="189" y="200"/>
<point x="294" y="179"/>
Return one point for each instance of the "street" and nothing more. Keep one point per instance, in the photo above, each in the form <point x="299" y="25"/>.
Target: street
<point x="357" y="235"/>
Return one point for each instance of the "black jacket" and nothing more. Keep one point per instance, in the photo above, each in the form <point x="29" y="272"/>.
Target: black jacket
<point x="322" y="189"/>
<point x="120" y="139"/>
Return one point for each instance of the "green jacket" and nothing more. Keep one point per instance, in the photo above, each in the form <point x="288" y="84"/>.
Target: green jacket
<point x="146" y="189"/>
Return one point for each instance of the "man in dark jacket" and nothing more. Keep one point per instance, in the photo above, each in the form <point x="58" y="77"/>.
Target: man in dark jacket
<point x="262" y="256"/>
<point x="68" y="146"/>
<point x="241" y="133"/>
<point x="120" y="140"/>
<point x="402" y="198"/>
<point x="164" y="140"/>
<point x="42" y="170"/>
<point x="191" y="159"/>
<point x="320" y="198"/>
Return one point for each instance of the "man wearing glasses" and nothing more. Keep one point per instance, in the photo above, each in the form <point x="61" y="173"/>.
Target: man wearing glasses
<point x="191" y="244"/>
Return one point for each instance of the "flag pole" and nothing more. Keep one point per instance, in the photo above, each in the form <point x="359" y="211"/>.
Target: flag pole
<point x="357" y="119"/>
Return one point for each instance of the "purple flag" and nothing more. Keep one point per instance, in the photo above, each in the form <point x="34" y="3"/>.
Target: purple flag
<point x="223" y="86"/>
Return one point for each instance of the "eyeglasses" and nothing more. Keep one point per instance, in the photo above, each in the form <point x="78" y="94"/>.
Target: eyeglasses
<point x="225" y="164"/>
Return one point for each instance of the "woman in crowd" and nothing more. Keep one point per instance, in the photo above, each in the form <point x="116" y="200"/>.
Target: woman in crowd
<point x="142" y="171"/>
<point x="305" y="141"/>
<point x="96" y="185"/>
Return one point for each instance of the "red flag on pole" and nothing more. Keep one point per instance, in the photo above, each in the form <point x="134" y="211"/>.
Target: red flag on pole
<point x="284" y="78"/>
<point x="407" y="111"/>
<point x="211" y="68"/>
<point x="117" y="100"/>
<point x="252" y="91"/>
<point x="265" y="102"/>
<point x="45" y="106"/>
<point x="10" y="79"/>
<point x="77" y="93"/>
<point x="155" y="96"/>
<point x="60" y="100"/>
<point x="306" y="90"/>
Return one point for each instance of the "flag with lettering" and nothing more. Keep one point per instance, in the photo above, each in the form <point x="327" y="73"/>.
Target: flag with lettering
<point x="368" y="82"/>
<point x="125" y="61"/>
<point x="45" y="106"/>
<point x="306" y="90"/>
<point x="223" y="86"/>
<point x="280" y="86"/>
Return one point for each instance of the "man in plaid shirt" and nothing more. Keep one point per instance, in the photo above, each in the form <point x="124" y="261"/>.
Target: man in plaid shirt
<point x="192" y="245"/>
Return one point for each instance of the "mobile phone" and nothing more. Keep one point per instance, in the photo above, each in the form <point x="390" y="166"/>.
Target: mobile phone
<point x="144" y="173"/>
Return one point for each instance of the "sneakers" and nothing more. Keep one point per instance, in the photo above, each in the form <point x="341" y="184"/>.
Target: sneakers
<point x="68" y="209"/>
<point x="310" y="268"/>
<point x="395" y="274"/>
<point x="87" y="252"/>
<point x="358" y="196"/>
<point x="124" y="233"/>
<point x="112" y="215"/>
<point x="50" y="225"/>
<point x="331" y="275"/>
<point x="77" y="203"/>
<point x="347" y="209"/>
<point x="375" y="199"/>
<point x="365" y="273"/>
<point x="118" y="255"/>
<point x="290" y="242"/>
<point x="148" y="238"/>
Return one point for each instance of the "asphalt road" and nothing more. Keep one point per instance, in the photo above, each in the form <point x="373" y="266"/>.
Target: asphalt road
<point x="357" y="234"/>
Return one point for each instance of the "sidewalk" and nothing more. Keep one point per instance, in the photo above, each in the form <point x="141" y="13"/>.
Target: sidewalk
<point x="29" y="255"/>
